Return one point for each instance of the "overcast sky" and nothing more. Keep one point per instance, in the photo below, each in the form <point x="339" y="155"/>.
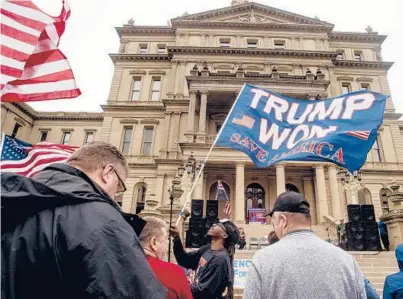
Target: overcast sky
<point x="90" y="35"/>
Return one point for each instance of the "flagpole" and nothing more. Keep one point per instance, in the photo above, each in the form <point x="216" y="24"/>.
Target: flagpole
<point x="208" y="155"/>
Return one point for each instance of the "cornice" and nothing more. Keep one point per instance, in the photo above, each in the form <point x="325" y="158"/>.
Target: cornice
<point x="36" y="115"/>
<point x="149" y="121"/>
<point x="255" y="26"/>
<point x="129" y="120"/>
<point x="145" y="30"/>
<point x="258" y="79"/>
<point x="364" y="79"/>
<point x="139" y="57"/>
<point x="244" y="51"/>
<point x="175" y="102"/>
<point x="357" y="37"/>
<point x="384" y="65"/>
<point x="133" y="106"/>
<point x="95" y="116"/>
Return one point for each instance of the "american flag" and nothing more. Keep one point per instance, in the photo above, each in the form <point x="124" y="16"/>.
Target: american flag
<point x="27" y="159"/>
<point x="222" y="195"/>
<point x="32" y="66"/>
<point x="364" y="135"/>
<point x="245" y="121"/>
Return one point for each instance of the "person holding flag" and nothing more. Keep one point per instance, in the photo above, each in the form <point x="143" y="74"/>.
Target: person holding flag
<point x="214" y="277"/>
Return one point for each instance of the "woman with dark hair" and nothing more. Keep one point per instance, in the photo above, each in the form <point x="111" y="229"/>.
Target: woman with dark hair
<point x="214" y="277"/>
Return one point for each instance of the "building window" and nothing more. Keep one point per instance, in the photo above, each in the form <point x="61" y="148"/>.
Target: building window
<point x="225" y="42"/>
<point x="66" y="137"/>
<point x="364" y="86"/>
<point x="155" y="91"/>
<point x="357" y="55"/>
<point x="147" y="141"/>
<point x="279" y="44"/>
<point x="43" y="136"/>
<point x="376" y="151"/>
<point x="89" y="138"/>
<point x="136" y="89"/>
<point x="140" y="198"/>
<point x="218" y="127"/>
<point x="143" y="49"/>
<point x="161" y="49"/>
<point x="345" y="88"/>
<point x="340" y="55"/>
<point x="252" y="43"/>
<point x="127" y="140"/>
<point x="16" y="128"/>
<point x="223" y="72"/>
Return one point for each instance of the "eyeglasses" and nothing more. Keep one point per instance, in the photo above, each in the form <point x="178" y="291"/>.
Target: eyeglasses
<point x="121" y="187"/>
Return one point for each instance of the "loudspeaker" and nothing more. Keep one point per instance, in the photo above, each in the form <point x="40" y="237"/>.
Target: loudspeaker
<point x="197" y="209"/>
<point x="367" y="213"/>
<point x="355" y="236"/>
<point x="354" y="213"/>
<point x="196" y="233"/>
<point x="212" y="209"/>
<point x="371" y="236"/>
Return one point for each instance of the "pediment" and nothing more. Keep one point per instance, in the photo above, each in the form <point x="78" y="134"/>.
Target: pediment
<point x="251" y="12"/>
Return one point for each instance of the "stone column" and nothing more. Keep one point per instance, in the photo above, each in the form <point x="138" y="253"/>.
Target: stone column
<point x="280" y="178"/>
<point x="310" y="197"/>
<point x="165" y="139"/>
<point x="180" y="77"/>
<point x="334" y="191"/>
<point x="198" y="192"/>
<point x="175" y="122"/>
<point x="159" y="189"/>
<point x="321" y="193"/>
<point x="201" y="134"/>
<point x="189" y="134"/>
<point x="240" y="194"/>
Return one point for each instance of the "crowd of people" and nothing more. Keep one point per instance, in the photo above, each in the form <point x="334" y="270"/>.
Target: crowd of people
<point x="63" y="236"/>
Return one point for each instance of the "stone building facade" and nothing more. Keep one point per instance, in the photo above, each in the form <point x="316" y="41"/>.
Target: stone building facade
<point x="174" y="85"/>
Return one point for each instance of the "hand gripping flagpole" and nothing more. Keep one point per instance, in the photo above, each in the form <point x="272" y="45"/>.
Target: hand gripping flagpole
<point x="205" y="160"/>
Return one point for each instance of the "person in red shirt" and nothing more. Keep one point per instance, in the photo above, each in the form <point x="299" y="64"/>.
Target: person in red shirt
<point x="154" y="239"/>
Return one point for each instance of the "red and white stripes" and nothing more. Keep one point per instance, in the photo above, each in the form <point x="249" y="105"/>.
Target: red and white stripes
<point x="32" y="66"/>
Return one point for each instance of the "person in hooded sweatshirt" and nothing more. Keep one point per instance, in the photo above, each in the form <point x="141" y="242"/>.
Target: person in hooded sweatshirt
<point x="63" y="235"/>
<point x="214" y="277"/>
<point x="393" y="287"/>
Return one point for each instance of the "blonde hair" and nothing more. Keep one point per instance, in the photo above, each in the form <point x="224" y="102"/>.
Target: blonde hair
<point x="152" y="229"/>
<point x="96" y="155"/>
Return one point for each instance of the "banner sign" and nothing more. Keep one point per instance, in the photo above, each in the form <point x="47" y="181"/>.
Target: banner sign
<point x="270" y="127"/>
<point x="241" y="268"/>
<point x="256" y="215"/>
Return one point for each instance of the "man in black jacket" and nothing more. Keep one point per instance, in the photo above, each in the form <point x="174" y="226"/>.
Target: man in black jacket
<point x="214" y="276"/>
<point x="64" y="237"/>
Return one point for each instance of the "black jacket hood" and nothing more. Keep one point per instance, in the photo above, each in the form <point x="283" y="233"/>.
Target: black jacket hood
<point x="57" y="185"/>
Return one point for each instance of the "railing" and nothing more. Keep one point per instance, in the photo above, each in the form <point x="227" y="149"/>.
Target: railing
<point x="331" y="226"/>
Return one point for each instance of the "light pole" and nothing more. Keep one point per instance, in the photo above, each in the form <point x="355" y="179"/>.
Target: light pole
<point x="351" y="182"/>
<point x="174" y="192"/>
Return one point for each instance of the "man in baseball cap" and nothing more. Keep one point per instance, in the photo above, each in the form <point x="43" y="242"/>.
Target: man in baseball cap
<point x="301" y="265"/>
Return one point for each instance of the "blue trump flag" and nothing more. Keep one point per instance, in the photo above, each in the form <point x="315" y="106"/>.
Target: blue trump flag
<point x="270" y="127"/>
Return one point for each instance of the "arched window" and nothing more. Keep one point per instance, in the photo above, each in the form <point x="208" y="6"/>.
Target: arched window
<point x="291" y="187"/>
<point x="139" y="197"/>
<point x="384" y="197"/>
<point x="364" y="197"/>
<point x="254" y="198"/>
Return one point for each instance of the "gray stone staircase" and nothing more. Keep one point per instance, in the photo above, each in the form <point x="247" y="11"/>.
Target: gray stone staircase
<point x="375" y="265"/>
